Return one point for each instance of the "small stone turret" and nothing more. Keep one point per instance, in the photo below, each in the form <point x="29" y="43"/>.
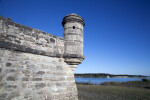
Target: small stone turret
<point x="73" y="34"/>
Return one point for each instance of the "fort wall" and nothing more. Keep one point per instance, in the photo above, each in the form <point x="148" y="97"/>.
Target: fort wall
<point x="33" y="64"/>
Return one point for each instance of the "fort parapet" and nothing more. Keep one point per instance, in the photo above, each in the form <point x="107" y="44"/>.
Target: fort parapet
<point x="35" y="65"/>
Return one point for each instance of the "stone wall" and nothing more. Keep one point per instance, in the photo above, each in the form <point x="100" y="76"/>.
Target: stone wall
<point x="33" y="65"/>
<point x="26" y="76"/>
<point x="22" y="38"/>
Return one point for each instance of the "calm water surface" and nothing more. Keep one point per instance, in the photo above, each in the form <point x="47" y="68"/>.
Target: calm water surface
<point x="100" y="80"/>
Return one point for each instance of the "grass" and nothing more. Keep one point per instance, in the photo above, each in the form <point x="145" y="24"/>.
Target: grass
<point x="115" y="91"/>
<point x="140" y="84"/>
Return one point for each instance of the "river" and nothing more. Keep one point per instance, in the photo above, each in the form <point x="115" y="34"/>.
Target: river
<point x="101" y="80"/>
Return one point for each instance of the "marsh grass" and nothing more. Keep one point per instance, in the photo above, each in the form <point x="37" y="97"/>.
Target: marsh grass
<point x="115" y="91"/>
<point x="140" y="84"/>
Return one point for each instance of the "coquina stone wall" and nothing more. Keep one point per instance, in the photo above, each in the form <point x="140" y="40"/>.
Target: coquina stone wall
<point x="33" y="65"/>
<point x="26" y="76"/>
<point x="25" y="39"/>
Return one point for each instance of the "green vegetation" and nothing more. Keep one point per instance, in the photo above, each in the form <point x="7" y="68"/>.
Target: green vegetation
<point x="139" y="84"/>
<point x="138" y="90"/>
<point x="145" y="80"/>
<point x="103" y="75"/>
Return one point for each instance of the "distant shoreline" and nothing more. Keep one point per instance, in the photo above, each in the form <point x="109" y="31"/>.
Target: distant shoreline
<point x="105" y="75"/>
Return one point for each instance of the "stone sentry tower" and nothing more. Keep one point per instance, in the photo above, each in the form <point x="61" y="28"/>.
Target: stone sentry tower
<point x="35" y="65"/>
<point x="73" y="34"/>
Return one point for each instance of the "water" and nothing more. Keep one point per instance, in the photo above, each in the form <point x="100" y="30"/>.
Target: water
<point x="100" y="80"/>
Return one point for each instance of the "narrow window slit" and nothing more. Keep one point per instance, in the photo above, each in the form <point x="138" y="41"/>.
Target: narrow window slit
<point x="74" y="27"/>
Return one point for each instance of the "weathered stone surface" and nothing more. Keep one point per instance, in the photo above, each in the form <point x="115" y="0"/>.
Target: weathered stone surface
<point x="25" y="39"/>
<point x="35" y="65"/>
<point x="40" y="85"/>
<point x="8" y="64"/>
<point x="11" y="86"/>
<point x="11" y="78"/>
<point x="52" y="40"/>
<point x="3" y="96"/>
<point x="37" y="79"/>
<point x="33" y="73"/>
<point x="14" y="94"/>
<point x="40" y="72"/>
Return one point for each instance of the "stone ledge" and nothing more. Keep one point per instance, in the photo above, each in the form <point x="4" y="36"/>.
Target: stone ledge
<point x="22" y="48"/>
<point x="73" y="56"/>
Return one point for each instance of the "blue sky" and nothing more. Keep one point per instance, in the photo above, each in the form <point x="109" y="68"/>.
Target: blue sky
<point x="116" y="34"/>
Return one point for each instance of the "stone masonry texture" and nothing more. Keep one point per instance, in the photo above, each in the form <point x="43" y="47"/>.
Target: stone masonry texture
<point x="35" y="66"/>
